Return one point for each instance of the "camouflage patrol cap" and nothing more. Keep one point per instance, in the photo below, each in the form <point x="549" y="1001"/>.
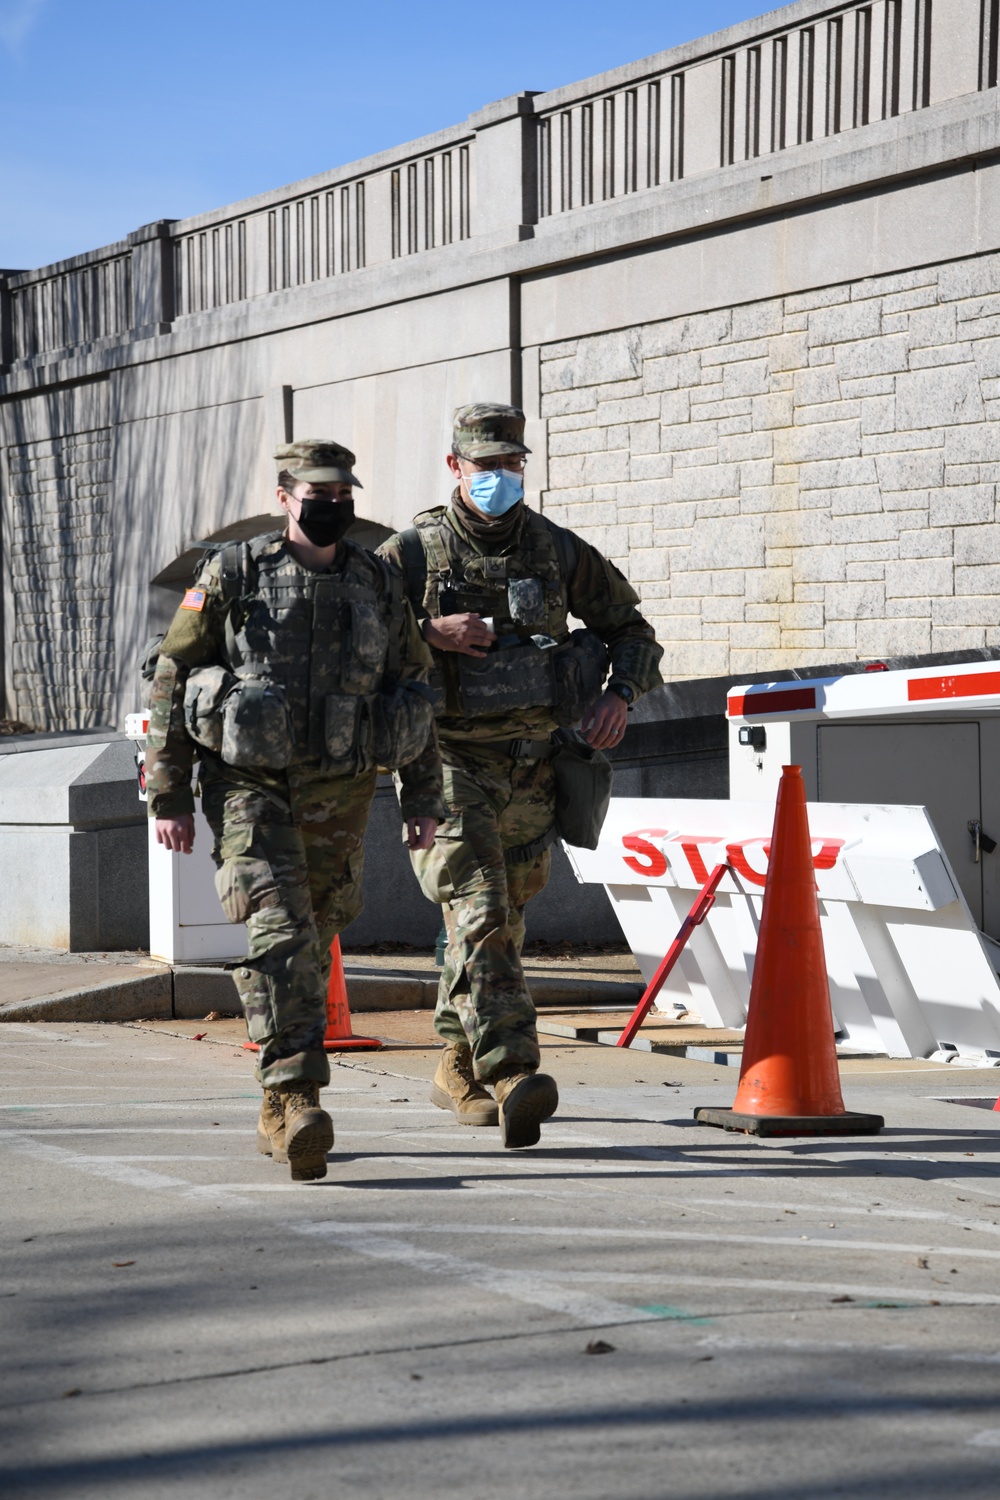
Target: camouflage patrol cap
<point x="486" y="430"/>
<point x="318" y="461"/>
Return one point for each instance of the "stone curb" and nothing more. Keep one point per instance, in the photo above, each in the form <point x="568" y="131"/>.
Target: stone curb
<point x="148" y="996"/>
<point x="189" y="993"/>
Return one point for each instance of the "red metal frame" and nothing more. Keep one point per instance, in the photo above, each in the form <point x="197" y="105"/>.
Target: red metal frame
<point x="703" y="903"/>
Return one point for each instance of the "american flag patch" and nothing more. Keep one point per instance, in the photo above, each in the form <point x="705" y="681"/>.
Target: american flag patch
<point x="194" y="599"/>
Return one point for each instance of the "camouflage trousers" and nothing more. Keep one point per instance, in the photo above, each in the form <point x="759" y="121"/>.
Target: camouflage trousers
<point x="496" y="804"/>
<point x="289" y="849"/>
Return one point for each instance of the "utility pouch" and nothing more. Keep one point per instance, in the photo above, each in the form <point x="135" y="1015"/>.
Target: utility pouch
<point x="347" y="731"/>
<point x="513" y="677"/>
<point x="583" y="779"/>
<point x="580" y="668"/>
<point x="205" y="693"/>
<point x="402" y="720"/>
<point x="365" y="643"/>
<point x="256" y="725"/>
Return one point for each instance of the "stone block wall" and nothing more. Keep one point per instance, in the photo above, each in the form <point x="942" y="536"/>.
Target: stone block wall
<point x="805" y="479"/>
<point x="61" y="568"/>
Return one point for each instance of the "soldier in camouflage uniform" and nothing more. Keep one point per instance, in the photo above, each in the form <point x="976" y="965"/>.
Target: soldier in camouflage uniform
<point x="293" y="669"/>
<point x="492" y="583"/>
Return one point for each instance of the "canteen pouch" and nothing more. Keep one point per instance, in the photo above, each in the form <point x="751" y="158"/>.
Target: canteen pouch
<point x="257" y="726"/>
<point x="583" y="778"/>
<point x="512" y="677"/>
<point x="580" y="668"/>
<point x="205" y="693"/>
<point x="403" y="718"/>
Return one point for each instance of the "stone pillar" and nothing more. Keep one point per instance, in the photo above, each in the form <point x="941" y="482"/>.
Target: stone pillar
<point x="505" y="171"/>
<point x="152" y="278"/>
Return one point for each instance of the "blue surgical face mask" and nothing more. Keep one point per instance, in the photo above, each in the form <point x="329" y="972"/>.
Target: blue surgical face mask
<point x="496" y="491"/>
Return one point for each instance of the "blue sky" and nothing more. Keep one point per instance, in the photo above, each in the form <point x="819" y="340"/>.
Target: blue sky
<point x="117" y="112"/>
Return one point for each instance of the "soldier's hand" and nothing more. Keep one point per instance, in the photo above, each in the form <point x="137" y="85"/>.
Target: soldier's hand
<point x="604" y="724"/>
<point x="176" y="834"/>
<point x="420" y="832"/>
<point x="467" y="634"/>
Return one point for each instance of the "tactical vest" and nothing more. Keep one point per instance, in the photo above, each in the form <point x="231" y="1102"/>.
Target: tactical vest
<point x="537" y="662"/>
<point x="311" y="665"/>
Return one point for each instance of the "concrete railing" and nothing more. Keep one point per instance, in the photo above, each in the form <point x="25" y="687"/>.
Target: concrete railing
<point x="797" y="75"/>
<point x="363" y="215"/>
<point x="793" y="76"/>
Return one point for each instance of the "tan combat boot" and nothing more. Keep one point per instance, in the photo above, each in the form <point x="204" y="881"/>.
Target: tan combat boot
<point x="271" y="1126"/>
<point x="526" y="1098"/>
<point x="456" y="1087"/>
<point x="308" y="1130"/>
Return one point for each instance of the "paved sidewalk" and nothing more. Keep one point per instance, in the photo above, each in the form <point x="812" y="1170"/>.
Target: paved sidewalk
<point x="778" y="1319"/>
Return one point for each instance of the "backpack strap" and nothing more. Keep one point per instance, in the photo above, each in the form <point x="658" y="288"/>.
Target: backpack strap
<point x="414" y="566"/>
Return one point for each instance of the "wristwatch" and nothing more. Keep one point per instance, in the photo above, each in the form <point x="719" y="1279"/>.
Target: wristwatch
<point x="624" y="692"/>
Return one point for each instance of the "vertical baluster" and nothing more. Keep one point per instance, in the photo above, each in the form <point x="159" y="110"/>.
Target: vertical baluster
<point x="922" y="54"/>
<point x="314" y="239"/>
<point x="447" y="232"/>
<point x="727" y="142"/>
<point x="465" y="192"/>
<point x="608" y="147"/>
<point x="587" y="153"/>
<point x="676" y="127"/>
<point x="779" y="92"/>
<point x="989" y="25"/>
<point x="566" y="160"/>
<point x="834" y="32"/>
<point x="412" y="209"/>
<point x="396" y="193"/>
<point x="641" y="143"/>
<point x="749" y="106"/>
<point x="545" y="167"/>
<point x="360" y="228"/>
<point x="654" y="133"/>
<point x="630" y="141"/>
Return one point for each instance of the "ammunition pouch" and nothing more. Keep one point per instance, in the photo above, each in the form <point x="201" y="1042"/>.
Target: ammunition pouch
<point x="257" y="725"/>
<point x="579" y="668"/>
<point x="403" y="719"/>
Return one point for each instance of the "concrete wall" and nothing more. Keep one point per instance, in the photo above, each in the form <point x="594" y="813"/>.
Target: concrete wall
<point x="742" y="289"/>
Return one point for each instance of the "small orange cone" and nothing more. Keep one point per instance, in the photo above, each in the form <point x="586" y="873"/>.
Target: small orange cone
<point x="339" y="1036"/>
<point x="790" y="1081"/>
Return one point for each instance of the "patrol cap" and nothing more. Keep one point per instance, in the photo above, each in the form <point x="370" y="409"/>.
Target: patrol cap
<point x="486" y="430"/>
<point x="318" y="461"/>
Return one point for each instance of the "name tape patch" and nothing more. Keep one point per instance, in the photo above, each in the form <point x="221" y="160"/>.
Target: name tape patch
<point x="194" y="599"/>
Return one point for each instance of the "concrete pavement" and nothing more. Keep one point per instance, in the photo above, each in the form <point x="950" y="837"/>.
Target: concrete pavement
<point x="787" y="1319"/>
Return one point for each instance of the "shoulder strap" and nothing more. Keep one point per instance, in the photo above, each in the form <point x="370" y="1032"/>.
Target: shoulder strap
<point x="566" y="545"/>
<point x="414" y="565"/>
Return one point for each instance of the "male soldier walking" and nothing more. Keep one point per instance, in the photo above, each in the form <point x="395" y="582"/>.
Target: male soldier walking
<point x="293" y="668"/>
<point x="492" y="584"/>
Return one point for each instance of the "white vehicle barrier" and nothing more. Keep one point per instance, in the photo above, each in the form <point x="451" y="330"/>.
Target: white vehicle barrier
<point x="910" y="973"/>
<point x="186" y="922"/>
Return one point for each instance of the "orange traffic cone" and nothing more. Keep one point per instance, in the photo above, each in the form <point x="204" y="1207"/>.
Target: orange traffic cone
<point x="789" y="1081"/>
<point x="339" y="1036"/>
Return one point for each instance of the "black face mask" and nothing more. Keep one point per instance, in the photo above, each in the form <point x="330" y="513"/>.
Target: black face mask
<point x="325" y="521"/>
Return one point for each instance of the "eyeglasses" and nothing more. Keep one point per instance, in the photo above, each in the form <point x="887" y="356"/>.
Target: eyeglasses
<point x="515" y="462"/>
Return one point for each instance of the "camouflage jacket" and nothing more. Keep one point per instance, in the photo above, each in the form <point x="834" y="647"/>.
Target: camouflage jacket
<point x="204" y="633"/>
<point x="577" y="581"/>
